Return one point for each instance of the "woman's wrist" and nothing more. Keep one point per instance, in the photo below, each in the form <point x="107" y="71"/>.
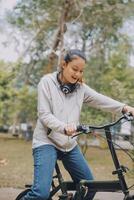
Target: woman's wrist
<point x="125" y="109"/>
<point x="128" y="109"/>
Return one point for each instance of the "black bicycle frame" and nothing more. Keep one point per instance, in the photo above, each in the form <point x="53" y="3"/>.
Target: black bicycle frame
<point x="119" y="169"/>
<point x="99" y="186"/>
<point x="94" y="186"/>
<point x="109" y="186"/>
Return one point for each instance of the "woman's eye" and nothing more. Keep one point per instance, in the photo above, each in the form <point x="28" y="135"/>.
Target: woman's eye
<point x="75" y="69"/>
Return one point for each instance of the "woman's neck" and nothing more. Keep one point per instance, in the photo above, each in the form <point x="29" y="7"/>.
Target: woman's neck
<point x="62" y="78"/>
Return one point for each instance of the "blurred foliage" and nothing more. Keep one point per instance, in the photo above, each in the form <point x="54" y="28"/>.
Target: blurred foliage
<point x="7" y="92"/>
<point x="27" y="103"/>
<point x="16" y="103"/>
<point x="107" y="50"/>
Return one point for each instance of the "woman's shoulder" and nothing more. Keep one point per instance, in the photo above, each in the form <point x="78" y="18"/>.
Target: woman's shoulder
<point x="85" y="86"/>
<point x="48" y="77"/>
<point x="45" y="77"/>
<point x="87" y="89"/>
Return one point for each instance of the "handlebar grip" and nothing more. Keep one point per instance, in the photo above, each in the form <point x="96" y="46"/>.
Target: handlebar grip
<point x="79" y="128"/>
<point x="83" y="128"/>
<point x="129" y="116"/>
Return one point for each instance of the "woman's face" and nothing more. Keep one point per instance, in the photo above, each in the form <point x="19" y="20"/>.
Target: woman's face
<point x="73" y="71"/>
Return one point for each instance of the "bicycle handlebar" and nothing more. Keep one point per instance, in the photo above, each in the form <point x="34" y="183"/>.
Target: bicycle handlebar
<point x="88" y="128"/>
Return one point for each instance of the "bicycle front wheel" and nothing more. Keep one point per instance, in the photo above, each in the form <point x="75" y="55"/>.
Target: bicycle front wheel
<point x="22" y="194"/>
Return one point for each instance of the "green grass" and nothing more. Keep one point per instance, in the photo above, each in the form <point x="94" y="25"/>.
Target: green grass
<point x="17" y="168"/>
<point x="16" y="164"/>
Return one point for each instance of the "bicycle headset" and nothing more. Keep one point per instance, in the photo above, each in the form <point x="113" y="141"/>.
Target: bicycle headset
<point x="67" y="88"/>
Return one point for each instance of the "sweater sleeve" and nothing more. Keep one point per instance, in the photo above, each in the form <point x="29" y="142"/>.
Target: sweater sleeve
<point x="101" y="101"/>
<point x="45" y="114"/>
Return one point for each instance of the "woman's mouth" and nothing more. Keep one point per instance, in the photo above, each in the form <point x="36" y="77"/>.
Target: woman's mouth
<point x="74" y="78"/>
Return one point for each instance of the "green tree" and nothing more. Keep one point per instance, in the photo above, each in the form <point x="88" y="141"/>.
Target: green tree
<point x="7" y="92"/>
<point x="45" y="23"/>
<point x="26" y="103"/>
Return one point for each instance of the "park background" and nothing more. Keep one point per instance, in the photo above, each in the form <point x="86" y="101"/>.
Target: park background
<point x="34" y="36"/>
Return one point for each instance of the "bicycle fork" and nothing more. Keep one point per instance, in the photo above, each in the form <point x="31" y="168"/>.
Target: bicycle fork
<point x="119" y="169"/>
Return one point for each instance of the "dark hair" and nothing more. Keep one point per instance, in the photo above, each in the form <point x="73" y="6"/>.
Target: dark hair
<point x="70" y="55"/>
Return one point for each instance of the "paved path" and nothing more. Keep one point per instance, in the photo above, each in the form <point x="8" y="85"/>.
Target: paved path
<point x="11" y="193"/>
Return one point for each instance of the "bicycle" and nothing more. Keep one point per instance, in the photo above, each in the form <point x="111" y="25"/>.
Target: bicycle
<point x="94" y="186"/>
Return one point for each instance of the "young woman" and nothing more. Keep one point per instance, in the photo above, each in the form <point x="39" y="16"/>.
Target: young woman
<point x="60" y="98"/>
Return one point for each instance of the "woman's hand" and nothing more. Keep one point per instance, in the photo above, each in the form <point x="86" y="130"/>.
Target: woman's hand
<point x="70" y="129"/>
<point x="128" y="109"/>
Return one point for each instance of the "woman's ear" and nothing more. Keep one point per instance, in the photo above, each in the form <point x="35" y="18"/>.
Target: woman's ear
<point x="63" y="64"/>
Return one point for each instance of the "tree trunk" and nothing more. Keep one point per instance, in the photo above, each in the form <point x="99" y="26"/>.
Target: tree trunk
<point x="59" y="39"/>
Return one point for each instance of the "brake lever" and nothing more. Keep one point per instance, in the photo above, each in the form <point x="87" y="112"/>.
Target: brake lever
<point x="128" y="116"/>
<point x="82" y="129"/>
<point x="76" y="135"/>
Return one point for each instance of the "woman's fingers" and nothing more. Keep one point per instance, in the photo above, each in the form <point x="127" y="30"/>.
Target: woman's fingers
<point x="70" y="129"/>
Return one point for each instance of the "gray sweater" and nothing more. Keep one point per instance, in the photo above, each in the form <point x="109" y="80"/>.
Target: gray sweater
<point x="55" y="110"/>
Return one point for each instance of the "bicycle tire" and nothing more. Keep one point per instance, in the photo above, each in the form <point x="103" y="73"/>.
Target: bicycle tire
<point x="129" y="197"/>
<point x="22" y="194"/>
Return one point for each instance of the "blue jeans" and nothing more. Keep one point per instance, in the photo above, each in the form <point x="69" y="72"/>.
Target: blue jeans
<point x="45" y="158"/>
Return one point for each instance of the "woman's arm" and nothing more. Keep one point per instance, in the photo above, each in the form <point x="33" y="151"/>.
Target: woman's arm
<point x="44" y="108"/>
<point x="97" y="100"/>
